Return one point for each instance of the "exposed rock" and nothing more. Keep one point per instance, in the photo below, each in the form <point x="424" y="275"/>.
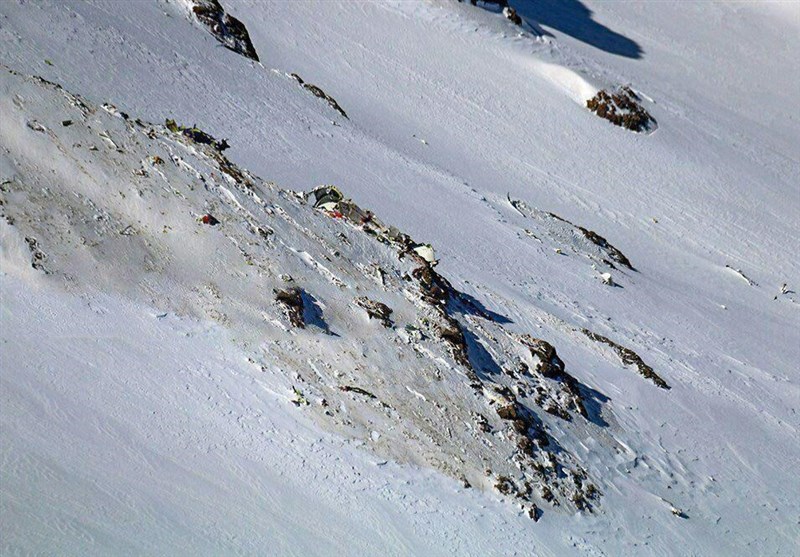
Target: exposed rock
<point x="512" y="15"/>
<point x="452" y="334"/>
<point x="467" y="398"/>
<point x="507" y="411"/>
<point x="375" y="310"/>
<point x="609" y="254"/>
<point x="434" y="288"/>
<point x="629" y="357"/>
<point x="505" y="485"/>
<point x="37" y="255"/>
<point x="613" y="252"/>
<point x="741" y="275"/>
<point x="510" y="488"/>
<point x="551" y="387"/>
<point x="600" y="242"/>
<point x="197" y="135"/>
<point x="228" y="30"/>
<point x="621" y="108"/>
<point x="358" y="390"/>
<point x="317" y="92"/>
<point x="551" y="366"/>
<point x="481" y="422"/>
<point x="292" y="301"/>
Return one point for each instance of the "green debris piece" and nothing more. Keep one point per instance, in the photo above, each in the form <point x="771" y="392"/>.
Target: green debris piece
<point x="172" y="126"/>
<point x="299" y="397"/>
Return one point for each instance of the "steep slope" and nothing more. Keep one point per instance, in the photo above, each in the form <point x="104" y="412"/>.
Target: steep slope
<point x="98" y="202"/>
<point x="522" y="192"/>
<point x="126" y="433"/>
<point x="160" y="215"/>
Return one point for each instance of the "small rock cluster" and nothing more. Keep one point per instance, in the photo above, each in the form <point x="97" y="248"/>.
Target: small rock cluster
<point x="512" y="15"/>
<point x="375" y="310"/>
<point x="291" y="300"/>
<point x="621" y="108"/>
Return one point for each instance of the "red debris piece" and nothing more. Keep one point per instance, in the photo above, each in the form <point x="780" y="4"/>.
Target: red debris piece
<point x="209" y="219"/>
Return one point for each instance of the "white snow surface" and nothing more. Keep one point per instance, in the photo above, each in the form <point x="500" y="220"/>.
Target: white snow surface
<point x="142" y="415"/>
<point x="110" y="448"/>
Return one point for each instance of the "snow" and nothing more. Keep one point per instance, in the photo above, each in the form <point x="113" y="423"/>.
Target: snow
<point x="451" y="108"/>
<point x="190" y="450"/>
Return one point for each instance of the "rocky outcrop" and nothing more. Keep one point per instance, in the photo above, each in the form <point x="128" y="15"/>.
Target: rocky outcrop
<point x="375" y="310"/>
<point x="629" y="357"/>
<point x="532" y="375"/>
<point x="511" y="14"/>
<point x="291" y="300"/>
<point x="595" y="238"/>
<point x="562" y="233"/>
<point x="552" y="367"/>
<point x="37" y="255"/>
<point x="604" y="244"/>
<point x="622" y="108"/>
<point x="228" y="30"/>
<point x="319" y="93"/>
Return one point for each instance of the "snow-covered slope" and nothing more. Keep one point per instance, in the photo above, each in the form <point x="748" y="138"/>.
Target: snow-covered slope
<point x="464" y="131"/>
<point x="128" y="434"/>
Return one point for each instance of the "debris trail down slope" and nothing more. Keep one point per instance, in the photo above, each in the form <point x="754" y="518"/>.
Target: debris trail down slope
<point x="133" y="215"/>
<point x="480" y="111"/>
<point x="192" y="448"/>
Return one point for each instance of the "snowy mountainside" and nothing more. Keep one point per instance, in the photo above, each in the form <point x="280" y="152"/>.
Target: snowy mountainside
<point x="124" y="433"/>
<point x="471" y="133"/>
<point x="433" y="389"/>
